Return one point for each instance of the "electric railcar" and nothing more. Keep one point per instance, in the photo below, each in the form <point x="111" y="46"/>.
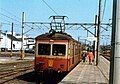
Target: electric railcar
<point x="56" y="51"/>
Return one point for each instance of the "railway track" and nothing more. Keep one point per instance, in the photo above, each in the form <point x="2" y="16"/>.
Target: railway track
<point x="107" y="57"/>
<point x="11" y="74"/>
<point x="10" y="71"/>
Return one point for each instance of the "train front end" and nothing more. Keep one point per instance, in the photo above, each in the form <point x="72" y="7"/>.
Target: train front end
<point x="51" y="53"/>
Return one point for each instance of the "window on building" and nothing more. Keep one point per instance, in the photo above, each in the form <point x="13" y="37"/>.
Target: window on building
<point x="30" y="40"/>
<point x="43" y="49"/>
<point x="59" y="49"/>
<point x="14" y="46"/>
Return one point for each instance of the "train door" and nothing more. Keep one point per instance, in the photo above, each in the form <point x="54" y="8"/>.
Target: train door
<point x="73" y="53"/>
<point x="79" y="51"/>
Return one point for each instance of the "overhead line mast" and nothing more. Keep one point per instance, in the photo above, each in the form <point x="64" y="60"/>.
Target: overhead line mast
<point x="22" y="43"/>
<point x="114" y="77"/>
<point x="98" y="33"/>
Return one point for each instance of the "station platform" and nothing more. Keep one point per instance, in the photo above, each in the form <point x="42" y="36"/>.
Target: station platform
<point x="84" y="73"/>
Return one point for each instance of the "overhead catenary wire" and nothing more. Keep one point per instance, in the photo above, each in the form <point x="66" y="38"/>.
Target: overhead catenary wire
<point x="9" y="22"/>
<point x="13" y="19"/>
<point x="9" y="17"/>
<point x="10" y="13"/>
<point x="50" y="7"/>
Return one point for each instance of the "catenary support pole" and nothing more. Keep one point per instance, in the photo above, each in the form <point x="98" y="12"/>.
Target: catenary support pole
<point x="0" y="36"/>
<point x="11" y="40"/>
<point x="95" y="41"/>
<point x="22" y="43"/>
<point x="98" y="34"/>
<point x="113" y="42"/>
<point x="115" y="58"/>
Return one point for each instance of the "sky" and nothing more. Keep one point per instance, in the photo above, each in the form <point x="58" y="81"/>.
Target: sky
<point x="77" y="11"/>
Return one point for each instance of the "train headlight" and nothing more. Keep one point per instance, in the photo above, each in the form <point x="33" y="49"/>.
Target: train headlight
<point x="51" y="41"/>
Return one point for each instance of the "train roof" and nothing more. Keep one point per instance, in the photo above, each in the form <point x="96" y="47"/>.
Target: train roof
<point x="54" y="36"/>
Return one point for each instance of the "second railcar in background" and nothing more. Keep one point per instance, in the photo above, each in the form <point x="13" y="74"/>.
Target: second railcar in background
<point x="56" y="51"/>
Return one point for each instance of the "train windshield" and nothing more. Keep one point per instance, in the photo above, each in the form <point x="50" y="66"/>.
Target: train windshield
<point x="43" y="49"/>
<point x="58" y="49"/>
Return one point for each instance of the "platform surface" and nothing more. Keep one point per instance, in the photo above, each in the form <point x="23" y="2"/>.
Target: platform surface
<point x="84" y="73"/>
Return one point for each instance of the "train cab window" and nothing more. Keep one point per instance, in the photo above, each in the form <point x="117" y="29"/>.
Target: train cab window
<point x="43" y="49"/>
<point x="59" y="50"/>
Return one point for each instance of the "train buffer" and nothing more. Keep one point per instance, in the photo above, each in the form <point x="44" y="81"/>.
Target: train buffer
<point x="84" y="73"/>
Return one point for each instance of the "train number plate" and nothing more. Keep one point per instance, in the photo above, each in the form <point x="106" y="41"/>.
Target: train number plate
<point x="50" y="63"/>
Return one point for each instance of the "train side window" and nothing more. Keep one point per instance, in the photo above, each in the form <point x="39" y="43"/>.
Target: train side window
<point x="59" y="49"/>
<point x="44" y="49"/>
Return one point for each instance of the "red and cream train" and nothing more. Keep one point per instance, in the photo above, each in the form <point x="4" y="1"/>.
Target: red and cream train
<point x="56" y="51"/>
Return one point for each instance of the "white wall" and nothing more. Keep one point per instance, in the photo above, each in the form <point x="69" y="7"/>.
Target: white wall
<point x="6" y="43"/>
